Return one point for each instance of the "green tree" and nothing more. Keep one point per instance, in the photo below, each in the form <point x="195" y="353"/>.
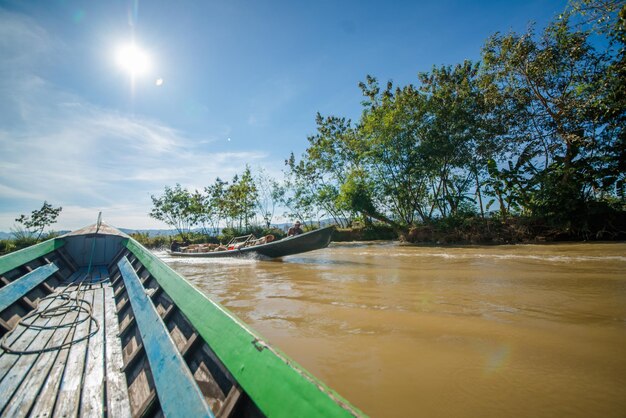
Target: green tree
<point x="607" y="19"/>
<point x="392" y="129"/>
<point x="333" y="152"/>
<point x="178" y="208"/>
<point x="203" y="211"/>
<point x="549" y="88"/>
<point x="269" y="194"/>
<point x="458" y="140"/>
<point x="240" y="199"/>
<point x="299" y="197"/>
<point x="215" y="202"/>
<point x="248" y="196"/>
<point x="537" y="126"/>
<point x="40" y="219"/>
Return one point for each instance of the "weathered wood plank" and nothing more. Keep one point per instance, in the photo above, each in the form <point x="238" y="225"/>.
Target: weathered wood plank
<point x="126" y="326"/>
<point x="12" y="292"/>
<point x="140" y="386"/>
<point x="113" y="264"/>
<point x="7" y="359"/>
<point x="133" y="357"/>
<point x="39" y="375"/>
<point x="16" y="367"/>
<point x="117" y="401"/>
<point x="92" y="398"/>
<point x="146" y="409"/>
<point x="213" y="393"/>
<point x="46" y="400"/>
<point x="4" y="325"/>
<point x="190" y="344"/>
<point x="122" y="302"/>
<point x="177" y="391"/>
<point x="61" y="252"/>
<point x="48" y="288"/>
<point x="229" y="403"/>
<point x="44" y="404"/>
<point x="70" y="390"/>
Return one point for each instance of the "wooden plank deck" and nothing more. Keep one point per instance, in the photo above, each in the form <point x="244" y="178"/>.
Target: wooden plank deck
<point x="77" y="367"/>
<point x="178" y="393"/>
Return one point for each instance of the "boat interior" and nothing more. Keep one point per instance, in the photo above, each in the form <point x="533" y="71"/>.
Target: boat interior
<point x="81" y="335"/>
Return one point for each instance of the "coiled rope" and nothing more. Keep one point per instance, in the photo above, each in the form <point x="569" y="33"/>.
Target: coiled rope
<point x="76" y="303"/>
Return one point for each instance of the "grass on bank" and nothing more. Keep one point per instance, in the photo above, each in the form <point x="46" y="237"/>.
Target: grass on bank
<point x="20" y="241"/>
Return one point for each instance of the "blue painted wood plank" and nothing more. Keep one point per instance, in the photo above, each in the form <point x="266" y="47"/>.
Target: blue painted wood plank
<point x="10" y="293"/>
<point x="176" y="388"/>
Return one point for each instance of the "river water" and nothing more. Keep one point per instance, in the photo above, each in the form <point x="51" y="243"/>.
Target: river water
<point x="516" y="331"/>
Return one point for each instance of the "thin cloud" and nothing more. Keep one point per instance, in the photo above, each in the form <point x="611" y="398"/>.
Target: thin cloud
<point x="23" y="42"/>
<point x="57" y="146"/>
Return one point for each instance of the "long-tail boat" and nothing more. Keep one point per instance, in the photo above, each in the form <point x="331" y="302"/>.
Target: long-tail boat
<point x="94" y="324"/>
<point x="247" y="246"/>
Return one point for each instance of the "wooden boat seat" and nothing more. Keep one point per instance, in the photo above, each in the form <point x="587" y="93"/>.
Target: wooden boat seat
<point x="177" y="390"/>
<point x="12" y="292"/>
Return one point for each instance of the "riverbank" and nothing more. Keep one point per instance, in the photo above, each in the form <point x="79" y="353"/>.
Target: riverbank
<point x="472" y="230"/>
<point x="486" y="231"/>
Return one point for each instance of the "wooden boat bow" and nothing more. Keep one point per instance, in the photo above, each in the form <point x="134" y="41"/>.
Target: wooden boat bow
<point x="150" y="343"/>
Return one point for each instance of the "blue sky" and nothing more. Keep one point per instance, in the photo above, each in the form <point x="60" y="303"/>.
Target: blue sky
<point x="242" y="82"/>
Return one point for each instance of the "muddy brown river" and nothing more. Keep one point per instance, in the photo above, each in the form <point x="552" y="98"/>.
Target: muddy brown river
<point x="506" y="331"/>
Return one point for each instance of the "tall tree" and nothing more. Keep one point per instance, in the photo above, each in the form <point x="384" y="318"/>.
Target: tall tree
<point x="607" y="19"/>
<point x="548" y="86"/>
<point x="215" y="202"/>
<point x="240" y="199"/>
<point x="177" y="207"/>
<point x="392" y="128"/>
<point x="40" y="219"/>
<point x="332" y="154"/>
<point x="458" y="141"/>
<point x="269" y="194"/>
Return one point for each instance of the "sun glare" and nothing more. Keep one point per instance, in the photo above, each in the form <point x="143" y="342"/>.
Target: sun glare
<point x="133" y="59"/>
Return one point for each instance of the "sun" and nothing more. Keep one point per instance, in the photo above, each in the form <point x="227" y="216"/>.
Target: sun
<point x="133" y="59"/>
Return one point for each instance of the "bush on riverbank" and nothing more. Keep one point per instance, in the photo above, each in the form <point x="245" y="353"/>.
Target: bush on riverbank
<point x="600" y="224"/>
<point x="21" y="241"/>
<point x="371" y="232"/>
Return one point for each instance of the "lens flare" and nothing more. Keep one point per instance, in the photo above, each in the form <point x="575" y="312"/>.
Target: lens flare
<point x="133" y="59"/>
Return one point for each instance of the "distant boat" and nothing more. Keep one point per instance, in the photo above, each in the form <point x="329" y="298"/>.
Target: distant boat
<point x="94" y="324"/>
<point x="309" y="241"/>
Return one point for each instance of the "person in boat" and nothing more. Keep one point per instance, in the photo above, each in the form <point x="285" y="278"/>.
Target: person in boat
<point x="295" y="230"/>
<point x="177" y="246"/>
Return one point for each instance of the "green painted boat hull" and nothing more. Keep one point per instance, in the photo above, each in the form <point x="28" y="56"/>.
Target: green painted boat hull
<point x="274" y="383"/>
